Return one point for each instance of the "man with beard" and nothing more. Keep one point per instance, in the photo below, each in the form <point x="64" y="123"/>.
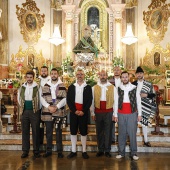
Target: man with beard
<point x="28" y="99"/>
<point x="102" y="113"/>
<point x="127" y="111"/>
<point x="52" y="99"/>
<point x="147" y="94"/>
<point x="79" y="99"/>
<point x="44" y="78"/>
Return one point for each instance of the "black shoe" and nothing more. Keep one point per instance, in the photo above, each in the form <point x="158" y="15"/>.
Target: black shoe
<point x="99" y="154"/>
<point x="37" y="155"/>
<point x="24" y="155"/>
<point x="85" y="156"/>
<point x="113" y="142"/>
<point x="108" y="155"/>
<point x="60" y="155"/>
<point x="147" y="144"/>
<point x="47" y="154"/>
<point x="71" y="155"/>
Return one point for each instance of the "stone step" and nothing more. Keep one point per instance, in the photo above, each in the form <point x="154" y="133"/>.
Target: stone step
<point x="91" y="146"/>
<point x="90" y="137"/>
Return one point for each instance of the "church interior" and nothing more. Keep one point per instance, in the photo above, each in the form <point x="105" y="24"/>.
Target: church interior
<point x="123" y="33"/>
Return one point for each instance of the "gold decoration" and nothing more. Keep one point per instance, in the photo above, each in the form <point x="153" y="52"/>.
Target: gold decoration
<point x="131" y="3"/>
<point x="24" y="60"/>
<point x="57" y="4"/>
<point x="31" y="21"/>
<point x="156" y="20"/>
<point x="103" y="24"/>
<point x="157" y="58"/>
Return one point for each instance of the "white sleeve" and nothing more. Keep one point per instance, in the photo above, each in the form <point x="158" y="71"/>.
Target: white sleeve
<point x="18" y="96"/>
<point x="115" y="102"/>
<point x="61" y="103"/>
<point x="92" y="105"/>
<point x="42" y="100"/>
<point x="138" y="100"/>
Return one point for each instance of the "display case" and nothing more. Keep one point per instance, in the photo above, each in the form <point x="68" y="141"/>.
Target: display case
<point x="167" y="85"/>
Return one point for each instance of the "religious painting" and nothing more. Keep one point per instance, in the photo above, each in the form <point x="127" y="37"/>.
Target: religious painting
<point x="31" y="22"/>
<point x="30" y="60"/>
<point x="157" y="59"/>
<point x="156" y="20"/>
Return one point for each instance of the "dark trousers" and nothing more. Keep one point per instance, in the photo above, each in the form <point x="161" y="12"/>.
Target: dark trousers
<point x="49" y="135"/>
<point x="113" y="132"/>
<point x="33" y="119"/>
<point x="104" y="131"/>
<point x="59" y="136"/>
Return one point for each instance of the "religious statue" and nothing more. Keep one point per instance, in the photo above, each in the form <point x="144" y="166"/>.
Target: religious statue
<point x="86" y="44"/>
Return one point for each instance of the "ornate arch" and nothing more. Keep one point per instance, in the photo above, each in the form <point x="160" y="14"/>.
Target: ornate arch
<point x="103" y="24"/>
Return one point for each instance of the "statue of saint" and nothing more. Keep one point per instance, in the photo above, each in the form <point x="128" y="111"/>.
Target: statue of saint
<point x="86" y="44"/>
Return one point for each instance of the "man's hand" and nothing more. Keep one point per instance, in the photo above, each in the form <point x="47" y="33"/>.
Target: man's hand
<point x="77" y="112"/>
<point x="115" y="119"/>
<point x="93" y="118"/>
<point x="81" y="113"/>
<point x="52" y="109"/>
<point x="139" y="118"/>
<point x="143" y="95"/>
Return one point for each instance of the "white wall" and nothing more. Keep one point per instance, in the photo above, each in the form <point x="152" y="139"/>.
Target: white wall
<point x="16" y="38"/>
<point x="143" y="39"/>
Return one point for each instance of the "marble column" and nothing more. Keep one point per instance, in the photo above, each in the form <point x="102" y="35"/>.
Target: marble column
<point x="69" y="16"/>
<point x="117" y="10"/>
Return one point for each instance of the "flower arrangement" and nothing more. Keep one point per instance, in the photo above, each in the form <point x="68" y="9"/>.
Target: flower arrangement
<point x="118" y="62"/>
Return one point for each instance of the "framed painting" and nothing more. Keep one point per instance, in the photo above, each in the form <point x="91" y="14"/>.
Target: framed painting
<point x="31" y="22"/>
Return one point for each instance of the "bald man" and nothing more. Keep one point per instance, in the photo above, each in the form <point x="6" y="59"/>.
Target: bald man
<point x="102" y="113"/>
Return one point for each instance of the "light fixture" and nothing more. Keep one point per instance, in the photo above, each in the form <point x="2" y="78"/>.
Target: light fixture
<point x="129" y="38"/>
<point x="0" y="35"/>
<point x="56" y="39"/>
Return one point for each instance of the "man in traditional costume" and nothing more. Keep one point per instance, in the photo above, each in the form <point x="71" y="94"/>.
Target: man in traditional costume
<point x="102" y="113"/>
<point x="28" y="100"/>
<point x="127" y="111"/>
<point x="53" y="99"/>
<point x="147" y="95"/>
<point x="79" y="100"/>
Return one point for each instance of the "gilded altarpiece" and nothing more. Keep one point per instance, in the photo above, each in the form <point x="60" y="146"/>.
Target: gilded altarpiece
<point x="103" y="19"/>
<point x="4" y="32"/>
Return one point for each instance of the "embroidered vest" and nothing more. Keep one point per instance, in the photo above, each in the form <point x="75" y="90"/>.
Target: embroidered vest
<point x="46" y="93"/>
<point x="132" y="98"/>
<point x="35" y="99"/>
<point x="109" y="96"/>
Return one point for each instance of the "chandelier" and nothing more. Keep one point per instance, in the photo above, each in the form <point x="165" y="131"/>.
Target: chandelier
<point x="56" y="38"/>
<point x="129" y="37"/>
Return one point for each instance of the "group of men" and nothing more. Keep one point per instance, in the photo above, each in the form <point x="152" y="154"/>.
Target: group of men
<point x="108" y="103"/>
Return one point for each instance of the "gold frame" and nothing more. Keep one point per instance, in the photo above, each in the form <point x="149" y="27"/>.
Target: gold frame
<point x="148" y="59"/>
<point x="22" y="58"/>
<point x="31" y="35"/>
<point x="101" y="5"/>
<point x="156" y="20"/>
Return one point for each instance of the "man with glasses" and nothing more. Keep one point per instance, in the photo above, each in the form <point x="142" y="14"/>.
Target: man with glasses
<point x="79" y="99"/>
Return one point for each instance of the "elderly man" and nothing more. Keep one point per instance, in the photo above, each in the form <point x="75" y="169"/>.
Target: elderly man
<point x="79" y="99"/>
<point x="102" y="112"/>
<point x="127" y="110"/>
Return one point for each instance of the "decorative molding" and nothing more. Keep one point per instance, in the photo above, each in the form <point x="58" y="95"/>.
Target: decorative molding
<point x="56" y="4"/>
<point x="156" y="20"/>
<point x="132" y="3"/>
<point x="157" y="58"/>
<point x="25" y="60"/>
<point x="31" y="21"/>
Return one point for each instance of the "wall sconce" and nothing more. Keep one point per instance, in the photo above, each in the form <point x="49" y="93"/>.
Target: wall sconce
<point x="129" y="37"/>
<point x="56" y="38"/>
<point x="0" y="35"/>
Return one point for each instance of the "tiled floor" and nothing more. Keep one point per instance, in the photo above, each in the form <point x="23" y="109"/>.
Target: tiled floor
<point x="10" y="160"/>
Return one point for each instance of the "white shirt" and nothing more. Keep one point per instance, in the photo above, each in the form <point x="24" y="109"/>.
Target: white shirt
<point x="28" y="91"/>
<point x="103" y="95"/>
<point x="117" y="82"/>
<point x="44" y="80"/>
<point x="53" y="89"/>
<point x="79" y="92"/>
<point x="128" y="87"/>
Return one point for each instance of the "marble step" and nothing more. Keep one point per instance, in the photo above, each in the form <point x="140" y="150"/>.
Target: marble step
<point x="91" y="146"/>
<point x="90" y="137"/>
<point x="92" y="128"/>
